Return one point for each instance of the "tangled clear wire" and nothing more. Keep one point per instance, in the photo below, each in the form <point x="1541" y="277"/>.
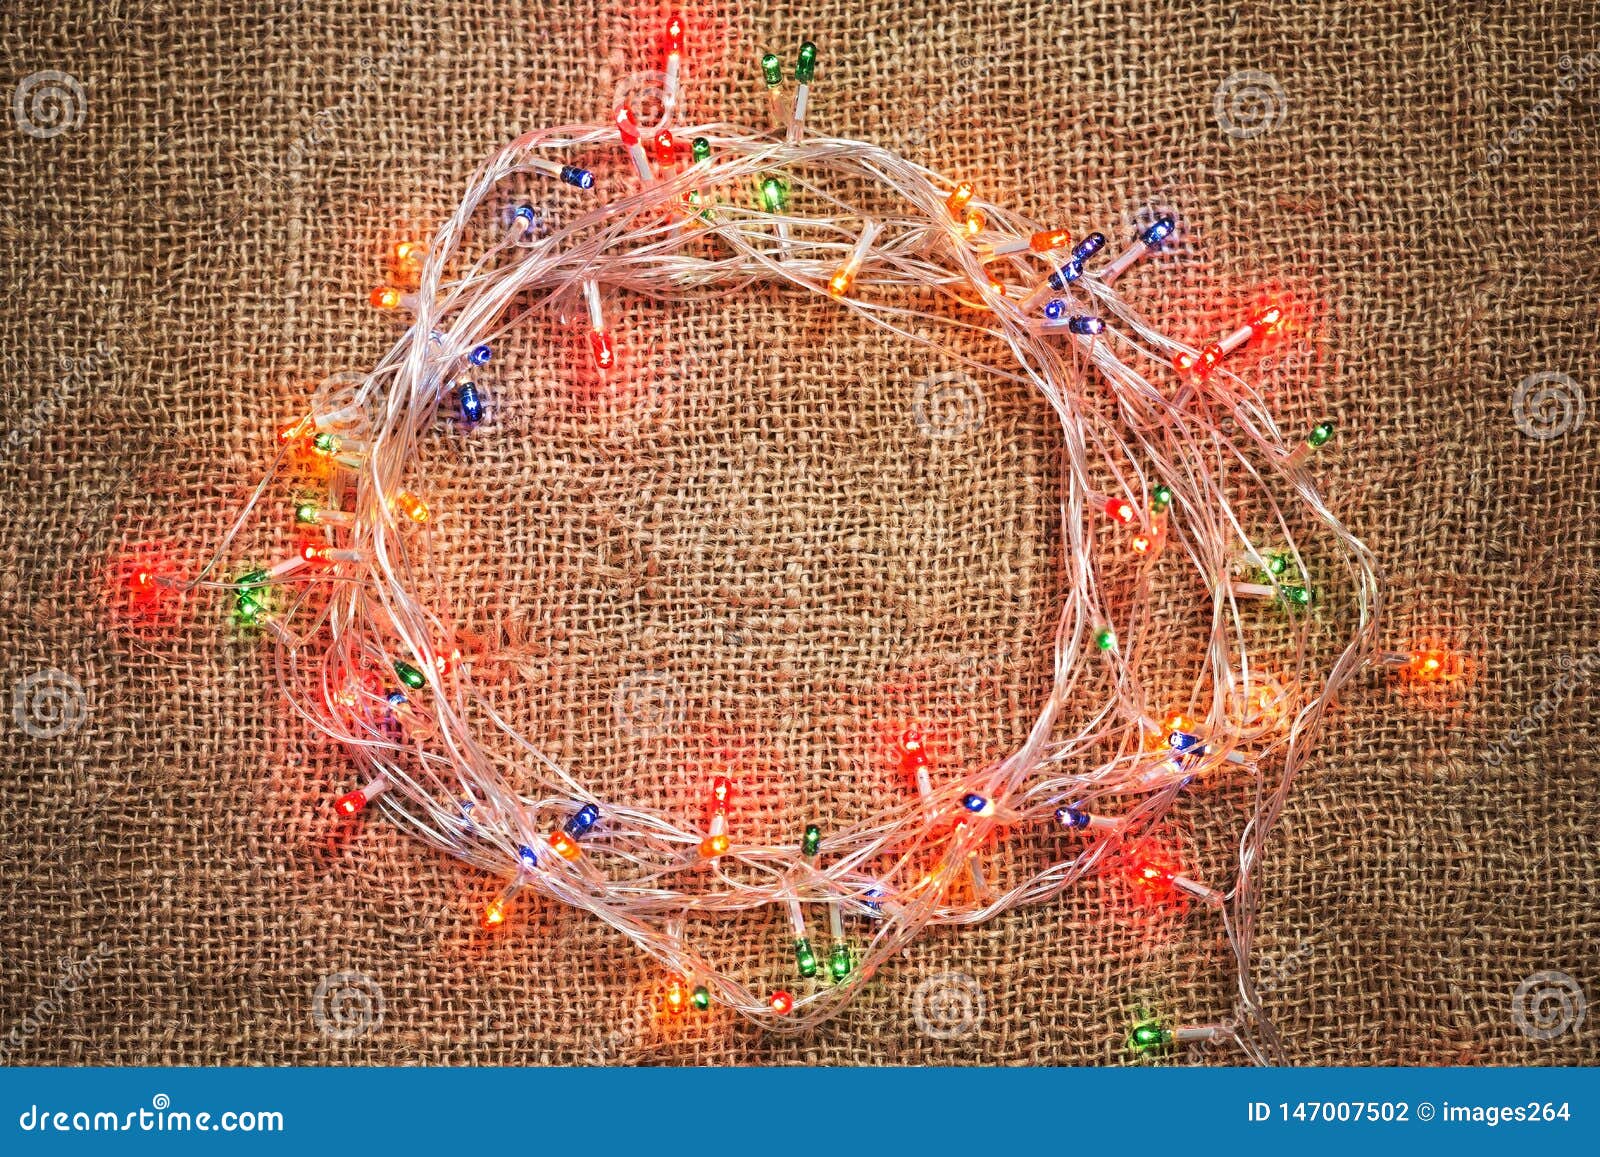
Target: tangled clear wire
<point x="1159" y="469"/>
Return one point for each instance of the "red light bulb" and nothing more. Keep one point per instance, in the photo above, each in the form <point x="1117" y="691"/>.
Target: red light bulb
<point x="1120" y="511"/>
<point x="782" y="1003"/>
<point x="385" y="297"/>
<point x="627" y="126"/>
<point x="600" y="349"/>
<point x="666" y="150"/>
<point x="1266" y="321"/>
<point x="350" y="803"/>
<point x="675" y="35"/>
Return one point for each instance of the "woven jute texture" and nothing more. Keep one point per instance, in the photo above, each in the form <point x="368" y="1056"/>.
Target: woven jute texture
<point x="774" y="533"/>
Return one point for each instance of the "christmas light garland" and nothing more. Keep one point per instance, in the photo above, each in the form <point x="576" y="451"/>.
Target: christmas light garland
<point x="1165" y="449"/>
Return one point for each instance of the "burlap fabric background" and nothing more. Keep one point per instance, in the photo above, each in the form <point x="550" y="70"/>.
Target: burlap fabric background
<point x="763" y="531"/>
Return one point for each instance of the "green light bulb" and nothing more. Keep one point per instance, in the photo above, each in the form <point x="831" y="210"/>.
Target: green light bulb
<point x="1105" y="638"/>
<point x="839" y="961"/>
<point x="1148" y="1036"/>
<point x="306" y="513"/>
<point x="249" y="606"/>
<point x="1320" y="433"/>
<point x="1298" y="596"/>
<point x="805" y="66"/>
<point x="1160" y="499"/>
<point x="773" y="194"/>
<point x="804" y="957"/>
<point x="409" y="675"/>
<point x="701" y="148"/>
<point x="1277" y="563"/>
<point x="326" y="443"/>
<point x="813" y="840"/>
<point x="771" y="70"/>
<point x="700" y="997"/>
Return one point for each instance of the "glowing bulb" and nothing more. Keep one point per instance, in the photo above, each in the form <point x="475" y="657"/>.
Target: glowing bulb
<point x="565" y="846"/>
<point x="701" y="149"/>
<point x="1120" y="511"/>
<point x="713" y="846"/>
<point x="811" y="842"/>
<point x="1266" y="321"/>
<point x="385" y="297"/>
<point x="1050" y="239"/>
<point x="1160" y="499"/>
<point x="782" y="1002"/>
<point x="1071" y="817"/>
<point x="974" y="223"/>
<point x="839" y="962"/>
<point x="700" y="997"/>
<point x="772" y="70"/>
<point x="1086" y="326"/>
<point x="1320" y="433"/>
<point x="675" y="35"/>
<point x="411" y="506"/>
<point x="957" y="201"/>
<point x="352" y="802"/>
<point x="494" y="913"/>
<point x="677" y="994"/>
<point x="805" y="959"/>
<point x="666" y="147"/>
<point x="407" y="255"/>
<point x="627" y="126"/>
<point x="601" y="350"/>
<point x="409" y="675"/>
<point x="480" y="355"/>
<point x="1105" y="638"/>
<point x="1148" y="1036"/>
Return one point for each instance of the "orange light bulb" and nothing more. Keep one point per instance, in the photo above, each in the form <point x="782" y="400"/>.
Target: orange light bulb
<point x="494" y="914"/>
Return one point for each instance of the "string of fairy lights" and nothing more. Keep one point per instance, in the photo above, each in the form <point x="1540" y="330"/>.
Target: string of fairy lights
<point x="1168" y="454"/>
